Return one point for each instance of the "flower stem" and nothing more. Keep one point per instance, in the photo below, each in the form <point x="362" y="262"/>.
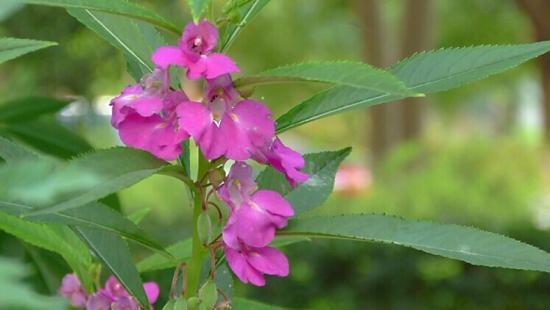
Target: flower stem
<point x="198" y="251"/>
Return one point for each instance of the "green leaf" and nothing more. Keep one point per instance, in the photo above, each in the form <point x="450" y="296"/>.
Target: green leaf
<point x="426" y="72"/>
<point x="56" y="239"/>
<point x="49" y="137"/>
<point x="139" y="215"/>
<point x="467" y="244"/>
<point x="16" y="294"/>
<point x="11" y="48"/>
<point x="116" y="7"/>
<point x="29" y="108"/>
<point x="109" y="171"/>
<point x="182" y="251"/>
<point x="113" y="252"/>
<point x="321" y="168"/>
<point x="94" y="215"/>
<point x="11" y="151"/>
<point x="244" y="12"/>
<point x="136" y="40"/>
<point x="347" y="73"/>
<point x="198" y="8"/>
<point x="245" y="304"/>
<point x="208" y="295"/>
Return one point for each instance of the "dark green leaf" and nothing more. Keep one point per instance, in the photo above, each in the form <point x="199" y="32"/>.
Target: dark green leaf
<point x="245" y="304"/>
<point x="116" y="7"/>
<point x="11" y="48"/>
<point x="321" y="168"/>
<point x="467" y="244"/>
<point x="29" y="108"/>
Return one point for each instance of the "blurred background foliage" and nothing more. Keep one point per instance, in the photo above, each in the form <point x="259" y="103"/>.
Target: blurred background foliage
<point x="478" y="158"/>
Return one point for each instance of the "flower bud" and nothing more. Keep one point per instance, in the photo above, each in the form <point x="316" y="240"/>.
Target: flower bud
<point x="204" y="227"/>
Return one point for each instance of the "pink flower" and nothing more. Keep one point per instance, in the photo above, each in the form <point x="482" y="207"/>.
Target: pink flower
<point x="224" y="126"/>
<point x="250" y="263"/>
<point x="145" y="115"/>
<point x="283" y="159"/>
<point x="125" y="303"/>
<point x="99" y="301"/>
<point x="116" y="291"/>
<point x="255" y="215"/>
<point x="195" y="53"/>
<point x="73" y="291"/>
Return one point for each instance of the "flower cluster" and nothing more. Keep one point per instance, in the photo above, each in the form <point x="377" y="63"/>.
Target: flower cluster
<point x="111" y="297"/>
<point x="157" y="118"/>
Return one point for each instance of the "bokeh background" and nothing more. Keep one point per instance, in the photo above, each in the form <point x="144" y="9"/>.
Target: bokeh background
<point x="473" y="156"/>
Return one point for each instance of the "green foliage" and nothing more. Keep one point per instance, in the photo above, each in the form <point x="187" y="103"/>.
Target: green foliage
<point x="11" y="48"/>
<point x="345" y="73"/>
<point x="117" y="7"/>
<point x="18" y="295"/>
<point x="198" y="8"/>
<point x="12" y="151"/>
<point x="29" y="108"/>
<point x="243" y="304"/>
<point x="321" y="168"/>
<point x="113" y="252"/>
<point x="136" y="40"/>
<point x="426" y="72"/>
<point x="239" y="13"/>
<point x="474" y="246"/>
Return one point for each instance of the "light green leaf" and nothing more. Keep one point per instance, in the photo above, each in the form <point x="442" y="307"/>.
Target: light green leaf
<point x="245" y="304"/>
<point x="11" y="151"/>
<point x="136" y="40"/>
<point x="16" y="294"/>
<point x="105" y="172"/>
<point x="239" y="13"/>
<point x="11" y="48"/>
<point x="426" y="72"/>
<point x="29" y="108"/>
<point x="53" y="238"/>
<point x="113" y="252"/>
<point x="467" y="244"/>
<point x="48" y="136"/>
<point x="198" y="7"/>
<point x="208" y="295"/>
<point x="139" y="215"/>
<point x="347" y="73"/>
<point x="321" y="168"/>
<point x="116" y="7"/>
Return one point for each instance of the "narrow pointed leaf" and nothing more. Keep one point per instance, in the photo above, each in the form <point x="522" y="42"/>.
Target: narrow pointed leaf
<point x="245" y="304"/>
<point x="239" y="14"/>
<point x="11" y="48"/>
<point x="29" y="108"/>
<point x="116" y="7"/>
<point x="426" y="72"/>
<point x="198" y="8"/>
<point x="321" y="168"/>
<point x="346" y="73"/>
<point x="467" y="244"/>
<point x="113" y="252"/>
<point x="11" y="151"/>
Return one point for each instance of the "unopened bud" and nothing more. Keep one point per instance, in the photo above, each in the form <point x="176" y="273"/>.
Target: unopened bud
<point x="216" y="177"/>
<point x="204" y="227"/>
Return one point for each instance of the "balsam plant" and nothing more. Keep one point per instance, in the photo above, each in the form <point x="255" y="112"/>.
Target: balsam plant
<point x="64" y="203"/>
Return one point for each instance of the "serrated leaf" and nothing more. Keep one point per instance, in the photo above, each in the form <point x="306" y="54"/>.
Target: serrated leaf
<point x="49" y="137"/>
<point x="29" y="108"/>
<point x="98" y="174"/>
<point x="56" y="239"/>
<point x="346" y="73"/>
<point x="113" y="252"/>
<point x="116" y="7"/>
<point x="198" y="7"/>
<point x="11" y="48"/>
<point x="246" y="11"/>
<point x="467" y="244"/>
<point x="136" y="40"/>
<point x="426" y="72"/>
<point x="321" y="168"/>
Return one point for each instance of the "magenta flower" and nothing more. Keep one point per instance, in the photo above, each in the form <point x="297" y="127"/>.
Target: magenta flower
<point x="250" y="263"/>
<point x="224" y="126"/>
<point x="255" y="215"/>
<point x="195" y="53"/>
<point x="73" y="291"/>
<point x="145" y="115"/>
<point x="99" y="301"/>
<point x="283" y="159"/>
<point x="116" y="291"/>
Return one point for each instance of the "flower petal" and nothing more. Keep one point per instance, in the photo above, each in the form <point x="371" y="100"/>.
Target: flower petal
<point x="219" y="64"/>
<point x="165" y="56"/>
<point x="152" y="291"/>
<point x="238" y="263"/>
<point x="273" y="202"/>
<point x="269" y="260"/>
<point x="256" y="119"/>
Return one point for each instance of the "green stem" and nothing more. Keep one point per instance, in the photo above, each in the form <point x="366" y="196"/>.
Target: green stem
<point x="198" y="250"/>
